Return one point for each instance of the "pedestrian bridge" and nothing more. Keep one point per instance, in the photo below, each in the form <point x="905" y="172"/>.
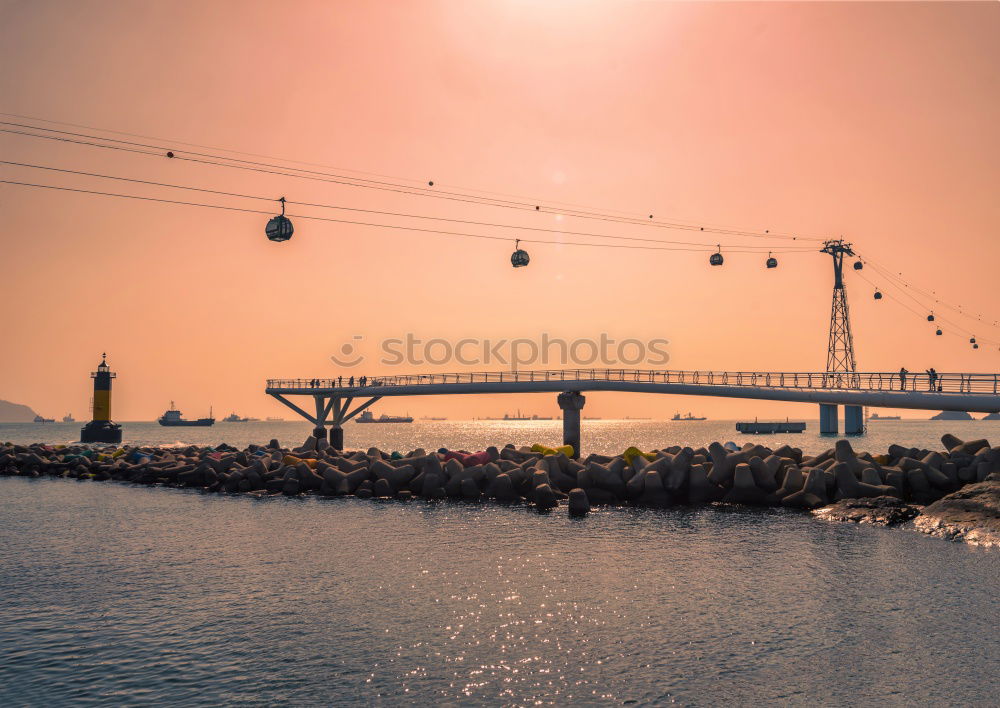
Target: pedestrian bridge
<point x="334" y="398"/>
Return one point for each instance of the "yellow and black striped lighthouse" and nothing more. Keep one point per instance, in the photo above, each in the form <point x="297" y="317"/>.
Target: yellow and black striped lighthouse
<point x="101" y="429"/>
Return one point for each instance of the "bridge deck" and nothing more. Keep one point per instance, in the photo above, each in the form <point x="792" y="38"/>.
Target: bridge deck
<point x="948" y="391"/>
<point x="333" y="398"/>
<point x="592" y="379"/>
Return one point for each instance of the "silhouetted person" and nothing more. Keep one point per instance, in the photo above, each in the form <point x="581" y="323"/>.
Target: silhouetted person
<point x="932" y="372"/>
<point x="902" y="378"/>
<point x="363" y="380"/>
<point x="340" y="381"/>
<point x="351" y="381"/>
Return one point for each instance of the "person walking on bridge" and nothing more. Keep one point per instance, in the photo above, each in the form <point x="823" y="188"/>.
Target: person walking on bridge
<point x="902" y="378"/>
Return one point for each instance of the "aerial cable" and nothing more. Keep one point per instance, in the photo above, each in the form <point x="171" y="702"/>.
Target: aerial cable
<point x="883" y="270"/>
<point x="209" y="147"/>
<point x="346" y="180"/>
<point x="952" y="326"/>
<point x="422" y="191"/>
<point x="374" y="211"/>
<point x="358" y="223"/>
<point x="304" y="162"/>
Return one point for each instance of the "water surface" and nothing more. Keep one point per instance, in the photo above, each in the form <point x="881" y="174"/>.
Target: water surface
<point x="115" y="593"/>
<point x="601" y="436"/>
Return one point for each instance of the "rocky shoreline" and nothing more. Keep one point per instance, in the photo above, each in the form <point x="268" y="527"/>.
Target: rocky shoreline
<point x="953" y="493"/>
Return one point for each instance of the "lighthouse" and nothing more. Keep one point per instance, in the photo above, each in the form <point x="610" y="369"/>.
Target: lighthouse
<point x="101" y="429"/>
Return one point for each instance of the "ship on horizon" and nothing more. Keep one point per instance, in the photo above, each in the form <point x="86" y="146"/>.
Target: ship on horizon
<point x="40" y="419"/>
<point x="68" y="418"/>
<point x="368" y="417"/>
<point x="234" y="418"/>
<point x="677" y="416"/>
<point x="508" y="416"/>
<point x="876" y="416"/>
<point x="172" y="418"/>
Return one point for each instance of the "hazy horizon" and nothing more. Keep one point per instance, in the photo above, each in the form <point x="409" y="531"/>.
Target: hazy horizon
<point x="874" y="121"/>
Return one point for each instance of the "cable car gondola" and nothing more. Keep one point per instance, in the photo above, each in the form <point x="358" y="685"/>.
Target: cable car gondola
<point x="279" y="228"/>
<point x="858" y="265"/>
<point x="716" y="258"/>
<point x="975" y="346"/>
<point x="772" y="262"/>
<point x="939" y="332"/>
<point x="930" y="317"/>
<point x="972" y="340"/>
<point x="878" y="295"/>
<point x="519" y="258"/>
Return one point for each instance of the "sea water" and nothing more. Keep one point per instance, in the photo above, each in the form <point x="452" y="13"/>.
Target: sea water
<point x="125" y="595"/>
<point x="601" y="436"/>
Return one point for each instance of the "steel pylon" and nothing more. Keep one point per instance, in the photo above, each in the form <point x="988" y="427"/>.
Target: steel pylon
<point x="841" y="365"/>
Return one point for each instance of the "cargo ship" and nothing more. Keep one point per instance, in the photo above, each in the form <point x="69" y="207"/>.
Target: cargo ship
<point x="40" y="419"/>
<point x="367" y="417"/>
<point x="68" y="418"/>
<point x="508" y="416"/>
<point x="172" y="418"/>
<point x="234" y="418"/>
<point x="677" y="416"/>
<point x="876" y="416"/>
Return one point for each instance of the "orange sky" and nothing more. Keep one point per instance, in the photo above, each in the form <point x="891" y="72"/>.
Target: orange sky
<point x="875" y="121"/>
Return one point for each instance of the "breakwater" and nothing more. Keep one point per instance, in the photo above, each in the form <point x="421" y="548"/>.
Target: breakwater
<point x="547" y="478"/>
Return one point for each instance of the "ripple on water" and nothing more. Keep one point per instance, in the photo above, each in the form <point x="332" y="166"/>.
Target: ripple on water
<point x="134" y="595"/>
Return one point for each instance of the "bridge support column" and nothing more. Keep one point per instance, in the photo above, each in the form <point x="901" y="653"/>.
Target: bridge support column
<point x="571" y="403"/>
<point x="854" y="420"/>
<point x="828" y="419"/>
<point x="337" y="437"/>
<point x="319" y="432"/>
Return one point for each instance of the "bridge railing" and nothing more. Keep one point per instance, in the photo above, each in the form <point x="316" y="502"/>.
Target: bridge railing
<point x="864" y="381"/>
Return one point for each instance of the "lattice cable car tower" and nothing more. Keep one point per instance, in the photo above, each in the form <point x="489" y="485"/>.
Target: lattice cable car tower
<point x="840" y="363"/>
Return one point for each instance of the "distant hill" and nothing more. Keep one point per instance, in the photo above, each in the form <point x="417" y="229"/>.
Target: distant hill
<point x="15" y="413"/>
<point x="952" y="415"/>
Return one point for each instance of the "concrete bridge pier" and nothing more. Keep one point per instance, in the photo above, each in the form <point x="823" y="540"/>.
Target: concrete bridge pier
<point x="337" y="437"/>
<point x="571" y="403"/>
<point x="319" y="432"/>
<point x="854" y="420"/>
<point x="828" y="419"/>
